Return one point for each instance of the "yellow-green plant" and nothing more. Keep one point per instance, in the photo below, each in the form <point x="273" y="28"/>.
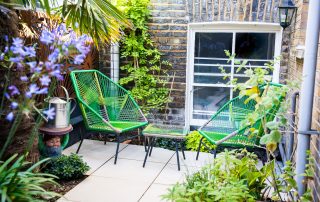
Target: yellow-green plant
<point x="192" y="142"/>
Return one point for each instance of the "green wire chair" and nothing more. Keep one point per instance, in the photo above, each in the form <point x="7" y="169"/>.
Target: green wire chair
<point x="225" y="126"/>
<point x="106" y="106"/>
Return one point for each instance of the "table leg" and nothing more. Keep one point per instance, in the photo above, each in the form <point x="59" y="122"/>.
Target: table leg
<point x="182" y="149"/>
<point x="81" y="137"/>
<point x="146" y="156"/>
<point x="152" y="144"/>
<point x="177" y="152"/>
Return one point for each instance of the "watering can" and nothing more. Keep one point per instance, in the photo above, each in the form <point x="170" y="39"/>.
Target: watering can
<point x="62" y="111"/>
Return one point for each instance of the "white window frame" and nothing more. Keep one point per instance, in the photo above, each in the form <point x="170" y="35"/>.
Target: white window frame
<point x="252" y="27"/>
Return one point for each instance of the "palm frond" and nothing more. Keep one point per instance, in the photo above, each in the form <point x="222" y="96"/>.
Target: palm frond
<point x="97" y="18"/>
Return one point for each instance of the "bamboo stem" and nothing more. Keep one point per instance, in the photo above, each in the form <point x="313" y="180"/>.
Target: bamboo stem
<point x="258" y="11"/>
<point x="219" y="8"/>
<point x="271" y="12"/>
<point x="250" y="14"/>
<point x="265" y="10"/>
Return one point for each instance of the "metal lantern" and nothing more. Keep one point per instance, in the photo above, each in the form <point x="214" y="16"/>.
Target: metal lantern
<point x="286" y="12"/>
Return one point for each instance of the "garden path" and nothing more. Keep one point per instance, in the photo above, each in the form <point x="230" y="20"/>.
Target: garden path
<point x="128" y="181"/>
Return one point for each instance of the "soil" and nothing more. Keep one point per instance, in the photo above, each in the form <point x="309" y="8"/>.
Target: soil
<point x="65" y="186"/>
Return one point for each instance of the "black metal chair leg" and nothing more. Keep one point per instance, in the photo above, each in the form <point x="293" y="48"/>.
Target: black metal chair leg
<point x="144" y="139"/>
<point x="81" y="140"/>
<point x="117" y="151"/>
<point x="214" y="152"/>
<point x="146" y="156"/>
<point x="145" y="144"/>
<point x="182" y="149"/>
<point x="152" y="144"/>
<point x="177" y="152"/>
<point x="199" y="148"/>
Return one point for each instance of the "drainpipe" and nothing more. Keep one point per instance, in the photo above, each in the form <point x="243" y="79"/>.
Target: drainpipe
<point x="307" y="90"/>
<point x="114" y="62"/>
<point x="290" y="134"/>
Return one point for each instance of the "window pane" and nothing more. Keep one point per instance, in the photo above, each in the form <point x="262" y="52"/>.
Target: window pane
<point x="210" y="98"/>
<point x="212" y="44"/>
<point x="211" y="79"/>
<point x="255" y="45"/>
<point x="210" y="69"/>
<point x="202" y="60"/>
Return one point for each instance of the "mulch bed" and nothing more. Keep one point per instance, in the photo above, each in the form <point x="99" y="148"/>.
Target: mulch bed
<point x="65" y="186"/>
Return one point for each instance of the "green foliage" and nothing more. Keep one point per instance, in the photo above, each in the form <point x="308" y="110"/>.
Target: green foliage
<point x="19" y="182"/>
<point x="233" y="176"/>
<point x="166" y="143"/>
<point x="192" y="142"/>
<point x="144" y="69"/>
<point x="67" y="167"/>
<point x="268" y="98"/>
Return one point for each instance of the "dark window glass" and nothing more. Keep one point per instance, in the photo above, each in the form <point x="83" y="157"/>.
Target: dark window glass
<point x="255" y="45"/>
<point x="212" y="44"/>
<point x="210" y="98"/>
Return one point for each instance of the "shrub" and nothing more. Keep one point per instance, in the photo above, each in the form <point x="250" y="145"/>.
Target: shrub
<point x="18" y="182"/>
<point x="232" y="177"/>
<point x="67" y="167"/>
<point x="192" y="142"/>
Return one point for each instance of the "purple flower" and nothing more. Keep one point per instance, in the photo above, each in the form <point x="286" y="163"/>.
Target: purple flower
<point x="56" y="73"/>
<point x="45" y="80"/>
<point x="50" y="113"/>
<point x="10" y="116"/>
<point x="1" y="56"/>
<point x="7" y="96"/>
<point x="24" y="78"/>
<point x="47" y="37"/>
<point x="79" y="59"/>
<point x="6" y="49"/>
<point x="62" y="28"/>
<point x="14" y="105"/>
<point x="17" y="42"/>
<point x="17" y="59"/>
<point x="53" y="57"/>
<point x="33" y="89"/>
<point x="30" y="51"/>
<point x="14" y="90"/>
<point x="42" y="91"/>
<point x="33" y="67"/>
<point x="6" y="38"/>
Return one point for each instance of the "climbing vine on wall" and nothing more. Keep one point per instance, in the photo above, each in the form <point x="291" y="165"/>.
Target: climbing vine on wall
<point x="145" y="68"/>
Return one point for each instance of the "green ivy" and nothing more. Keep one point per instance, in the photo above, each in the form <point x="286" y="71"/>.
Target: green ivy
<point x="145" y="68"/>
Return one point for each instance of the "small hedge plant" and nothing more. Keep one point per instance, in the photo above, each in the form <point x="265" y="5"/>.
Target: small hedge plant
<point x="67" y="167"/>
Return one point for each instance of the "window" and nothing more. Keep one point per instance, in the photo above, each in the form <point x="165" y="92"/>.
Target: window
<point x="209" y="88"/>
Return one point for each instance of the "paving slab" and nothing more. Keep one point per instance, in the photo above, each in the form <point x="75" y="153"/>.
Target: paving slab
<point x="170" y="174"/>
<point x="136" y="152"/>
<point x="204" y="159"/>
<point x="95" y="153"/>
<point x="154" y="193"/>
<point x="102" y="189"/>
<point x="130" y="169"/>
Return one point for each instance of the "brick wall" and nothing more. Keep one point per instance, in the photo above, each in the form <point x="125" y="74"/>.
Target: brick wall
<point x="168" y="28"/>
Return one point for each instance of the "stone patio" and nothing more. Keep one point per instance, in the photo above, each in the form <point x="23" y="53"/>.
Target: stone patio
<point x="127" y="180"/>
